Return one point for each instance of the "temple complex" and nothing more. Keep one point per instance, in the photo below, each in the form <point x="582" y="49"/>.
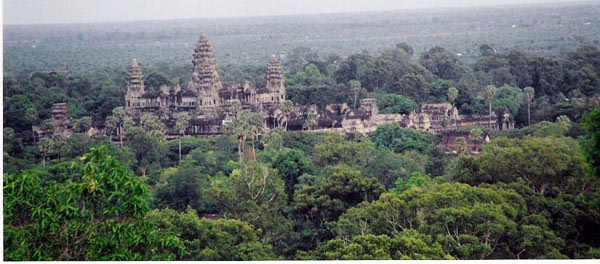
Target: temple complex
<point x="208" y="105"/>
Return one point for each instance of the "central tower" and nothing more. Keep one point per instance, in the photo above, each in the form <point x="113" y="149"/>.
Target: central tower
<point x="275" y="81"/>
<point x="205" y="78"/>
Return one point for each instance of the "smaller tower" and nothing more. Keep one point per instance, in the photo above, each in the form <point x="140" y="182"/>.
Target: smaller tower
<point x="370" y="106"/>
<point x="62" y="122"/>
<point x="275" y="81"/>
<point x="135" y="86"/>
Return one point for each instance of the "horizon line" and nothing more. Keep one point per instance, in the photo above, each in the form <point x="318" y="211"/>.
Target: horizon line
<point x="478" y="6"/>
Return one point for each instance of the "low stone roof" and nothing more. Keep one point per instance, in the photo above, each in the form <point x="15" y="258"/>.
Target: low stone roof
<point x="262" y="90"/>
<point x="188" y="93"/>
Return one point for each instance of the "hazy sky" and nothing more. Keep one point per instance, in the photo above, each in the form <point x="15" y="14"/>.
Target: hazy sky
<point x="69" y="11"/>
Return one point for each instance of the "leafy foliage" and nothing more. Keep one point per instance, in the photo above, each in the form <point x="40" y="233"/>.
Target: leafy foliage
<point x="547" y="164"/>
<point x="98" y="216"/>
<point x="398" y="139"/>
<point x="591" y="122"/>
<point x="215" y="240"/>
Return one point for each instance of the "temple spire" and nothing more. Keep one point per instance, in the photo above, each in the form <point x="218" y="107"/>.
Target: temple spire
<point x="205" y="79"/>
<point x="275" y="78"/>
<point x="135" y="77"/>
<point x="135" y="85"/>
<point x="205" y="64"/>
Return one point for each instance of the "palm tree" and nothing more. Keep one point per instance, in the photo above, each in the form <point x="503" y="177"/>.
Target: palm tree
<point x="119" y="115"/>
<point x="452" y="94"/>
<point x="240" y="128"/>
<point x="355" y="87"/>
<point x="236" y="107"/>
<point x="311" y="121"/>
<point x="256" y="127"/>
<point x="529" y="94"/>
<point x="288" y="106"/>
<point x="490" y="93"/>
<point x="59" y="142"/>
<point x="155" y="127"/>
<point x="476" y="135"/>
<point x="182" y="123"/>
<point x="109" y="126"/>
<point x="32" y="116"/>
<point x="45" y="145"/>
<point x="461" y="145"/>
<point x="48" y="127"/>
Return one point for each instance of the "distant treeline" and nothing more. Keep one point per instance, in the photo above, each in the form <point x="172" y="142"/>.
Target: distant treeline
<point x="546" y="30"/>
<point x="400" y="83"/>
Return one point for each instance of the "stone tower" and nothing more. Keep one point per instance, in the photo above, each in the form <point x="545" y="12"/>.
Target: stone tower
<point x="135" y="86"/>
<point x="275" y="80"/>
<point x="369" y="105"/>
<point x="205" y="79"/>
<point x="62" y="122"/>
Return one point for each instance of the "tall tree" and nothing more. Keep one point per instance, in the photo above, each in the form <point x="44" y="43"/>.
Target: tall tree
<point x="355" y="88"/>
<point x="155" y="127"/>
<point x="291" y="164"/>
<point x="288" y="107"/>
<point x="59" y="142"/>
<point x="256" y="128"/>
<point x="96" y="216"/>
<point x="452" y="94"/>
<point x="32" y="116"/>
<point x="240" y="128"/>
<point x="110" y="126"/>
<point x="312" y="120"/>
<point x="45" y="145"/>
<point x="529" y="93"/>
<point x="182" y="123"/>
<point x="461" y="145"/>
<point x="490" y="92"/>
<point x="256" y="194"/>
<point x="591" y="122"/>
<point x="119" y="115"/>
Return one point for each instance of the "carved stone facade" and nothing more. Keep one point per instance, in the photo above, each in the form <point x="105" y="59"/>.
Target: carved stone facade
<point x="437" y="118"/>
<point x="209" y="105"/>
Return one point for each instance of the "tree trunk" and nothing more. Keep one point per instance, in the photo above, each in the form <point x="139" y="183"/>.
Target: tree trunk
<point x="528" y="113"/>
<point x="287" y="120"/>
<point x="241" y="141"/>
<point x="121" y="135"/>
<point x="179" y="150"/>
<point x="33" y="134"/>
<point x="490" y="121"/>
<point x="253" y="149"/>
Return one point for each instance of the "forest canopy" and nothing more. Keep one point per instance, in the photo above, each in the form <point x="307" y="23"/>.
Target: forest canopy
<point x="532" y="191"/>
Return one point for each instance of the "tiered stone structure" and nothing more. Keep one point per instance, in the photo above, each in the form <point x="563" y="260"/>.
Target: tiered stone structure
<point x="207" y="103"/>
<point x="209" y="106"/>
<point x="62" y="122"/>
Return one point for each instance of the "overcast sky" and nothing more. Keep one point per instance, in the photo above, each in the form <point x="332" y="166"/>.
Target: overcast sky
<point x="74" y="11"/>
